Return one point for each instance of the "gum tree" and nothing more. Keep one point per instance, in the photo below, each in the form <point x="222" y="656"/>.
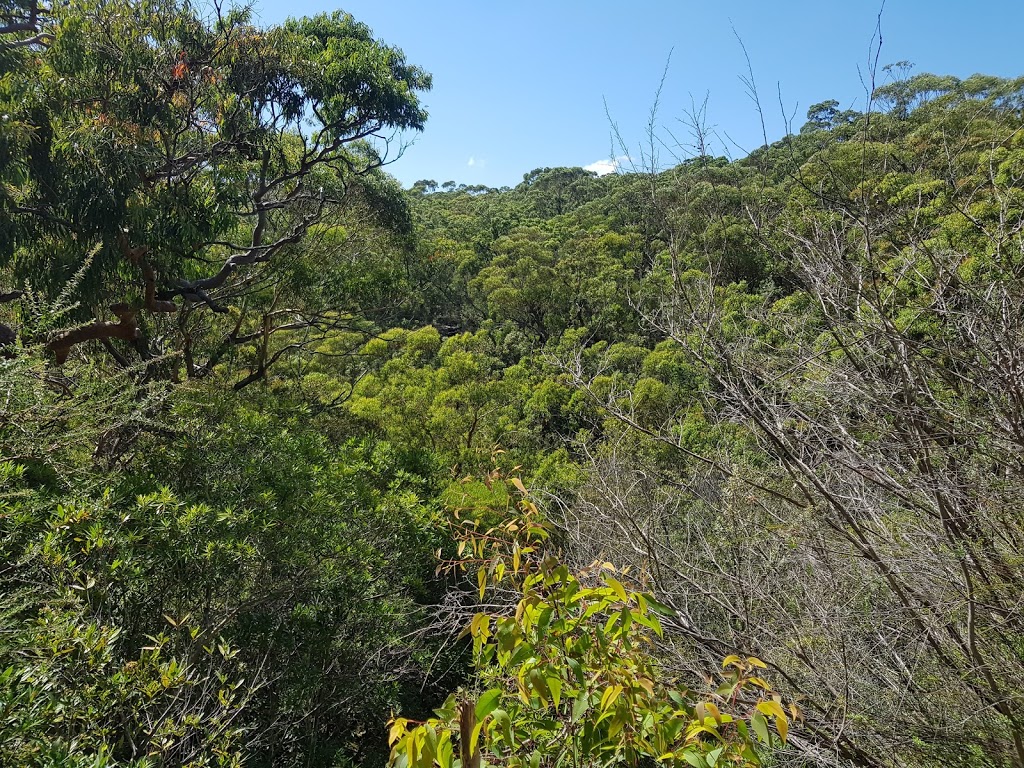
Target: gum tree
<point x="183" y="160"/>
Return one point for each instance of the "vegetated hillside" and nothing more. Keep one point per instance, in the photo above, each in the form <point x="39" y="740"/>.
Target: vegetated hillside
<point x="784" y="388"/>
<point x="721" y="464"/>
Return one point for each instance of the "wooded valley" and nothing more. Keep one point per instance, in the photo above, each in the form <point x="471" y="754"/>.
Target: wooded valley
<point x="718" y="464"/>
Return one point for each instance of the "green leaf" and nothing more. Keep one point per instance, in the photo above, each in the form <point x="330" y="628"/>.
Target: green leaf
<point x="580" y="707"/>
<point x="524" y="652"/>
<point x="429" y="751"/>
<point x="504" y="723"/>
<point x="649" y="621"/>
<point x="609" y="625"/>
<point x="487" y="703"/>
<point x="760" y="727"/>
<point x="447" y="710"/>
<point x="618" y="721"/>
<point x="660" y="608"/>
<point x="539" y="684"/>
<point x="620" y="590"/>
<point x="445" y="754"/>
<point x="625" y="619"/>
<point x="555" y="686"/>
<point x="397" y="730"/>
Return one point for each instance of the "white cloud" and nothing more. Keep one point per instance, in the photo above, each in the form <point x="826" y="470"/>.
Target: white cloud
<point x="604" y="167"/>
<point x="472" y="162"/>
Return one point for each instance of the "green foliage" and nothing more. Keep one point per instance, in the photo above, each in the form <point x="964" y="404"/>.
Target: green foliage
<point x="783" y="389"/>
<point x="344" y="541"/>
<point x="567" y="674"/>
<point x="144" y="623"/>
<point x="81" y="675"/>
<point x="190" y="157"/>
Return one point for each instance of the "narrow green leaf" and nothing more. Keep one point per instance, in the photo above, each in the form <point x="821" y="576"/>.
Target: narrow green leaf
<point x="504" y="723"/>
<point x="555" y="686"/>
<point x="577" y="669"/>
<point x="445" y="754"/>
<point x="580" y="707"/>
<point x="660" y="608"/>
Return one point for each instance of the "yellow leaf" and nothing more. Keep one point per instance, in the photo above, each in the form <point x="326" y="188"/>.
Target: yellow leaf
<point x="524" y="695"/>
<point x="413" y="747"/>
<point x="617" y="586"/>
<point x="474" y="739"/>
<point x="755" y="662"/>
<point x="518" y="484"/>
<point x="611" y="693"/>
<point x="397" y="729"/>
<point x="695" y="730"/>
<point x="772" y="708"/>
<point x="731" y="659"/>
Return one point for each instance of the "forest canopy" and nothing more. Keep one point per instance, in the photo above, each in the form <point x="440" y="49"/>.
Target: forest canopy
<point x="707" y="465"/>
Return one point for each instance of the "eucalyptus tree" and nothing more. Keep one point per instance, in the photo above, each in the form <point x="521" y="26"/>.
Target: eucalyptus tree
<point x="172" y="164"/>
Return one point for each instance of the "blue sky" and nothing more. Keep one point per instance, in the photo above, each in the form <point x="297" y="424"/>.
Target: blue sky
<point x="523" y="85"/>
